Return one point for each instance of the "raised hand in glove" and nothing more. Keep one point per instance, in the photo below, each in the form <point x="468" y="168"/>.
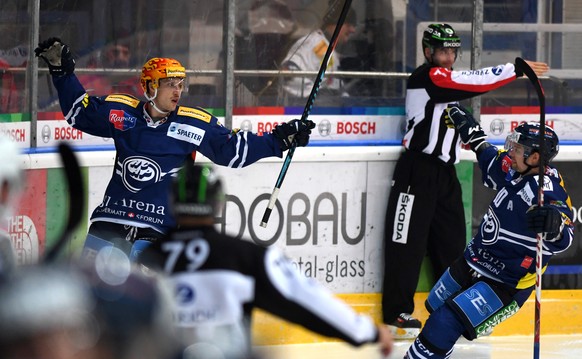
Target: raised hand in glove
<point x="297" y="130"/>
<point x="545" y="219"/>
<point x="469" y="129"/>
<point x="57" y="56"/>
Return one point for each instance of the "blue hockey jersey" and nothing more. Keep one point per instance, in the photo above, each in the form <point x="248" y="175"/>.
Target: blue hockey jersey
<point x="149" y="153"/>
<point x="504" y="249"/>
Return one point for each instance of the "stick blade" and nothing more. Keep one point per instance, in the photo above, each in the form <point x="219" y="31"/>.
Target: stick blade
<point x="76" y="191"/>
<point x="531" y="75"/>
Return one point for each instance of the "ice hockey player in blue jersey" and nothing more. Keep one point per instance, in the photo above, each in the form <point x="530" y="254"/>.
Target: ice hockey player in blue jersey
<point x="497" y="271"/>
<point x="152" y="140"/>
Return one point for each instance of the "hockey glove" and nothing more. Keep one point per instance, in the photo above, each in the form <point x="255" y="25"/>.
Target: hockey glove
<point x="545" y="219"/>
<point x="57" y="56"/>
<point x="294" y="130"/>
<point x="469" y="129"/>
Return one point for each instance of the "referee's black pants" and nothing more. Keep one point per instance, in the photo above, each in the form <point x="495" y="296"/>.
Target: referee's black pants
<point x="425" y="215"/>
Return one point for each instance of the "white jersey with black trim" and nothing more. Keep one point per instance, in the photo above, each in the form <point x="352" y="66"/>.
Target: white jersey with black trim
<point x="219" y="280"/>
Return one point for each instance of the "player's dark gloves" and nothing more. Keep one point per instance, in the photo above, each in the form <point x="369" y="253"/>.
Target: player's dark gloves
<point x="57" y="56"/>
<point x="469" y="129"/>
<point x="545" y="219"/>
<point x="297" y="130"/>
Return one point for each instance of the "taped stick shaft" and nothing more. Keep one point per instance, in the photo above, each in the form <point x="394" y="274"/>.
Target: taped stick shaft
<point x="275" y="193"/>
<point x="270" y="207"/>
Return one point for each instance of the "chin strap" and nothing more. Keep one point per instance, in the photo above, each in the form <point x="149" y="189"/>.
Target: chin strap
<point x="151" y="101"/>
<point x="529" y="168"/>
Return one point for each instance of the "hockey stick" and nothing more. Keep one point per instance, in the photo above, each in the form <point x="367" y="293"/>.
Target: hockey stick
<point x="76" y="200"/>
<point x="307" y="109"/>
<point x="531" y="75"/>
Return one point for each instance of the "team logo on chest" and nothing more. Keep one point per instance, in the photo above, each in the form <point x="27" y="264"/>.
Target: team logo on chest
<point x="490" y="228"/>
<point x="137" y="172"/>
<point x="121" y="121"/>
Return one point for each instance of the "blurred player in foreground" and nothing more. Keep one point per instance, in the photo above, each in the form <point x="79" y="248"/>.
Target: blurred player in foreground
<point x="107" y="311"/>
<point x="11" y="184"/>
<point x="219" y="279"/>
<point x="497" y="272"/>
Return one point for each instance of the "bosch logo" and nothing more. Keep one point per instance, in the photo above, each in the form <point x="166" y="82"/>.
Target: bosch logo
<point x="324" y="128"/>
<point x="138" y="172"/>
<point x="246" y="125"/>
<point x="45" y="133"/>
<point x="496" y="127"/>
<point x="185" y="294"/>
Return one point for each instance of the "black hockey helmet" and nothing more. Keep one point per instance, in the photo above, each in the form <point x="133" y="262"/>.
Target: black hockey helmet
<point x="528" y="135"/>
<point x="440" y="35"/>
<point x="197" y="191"/>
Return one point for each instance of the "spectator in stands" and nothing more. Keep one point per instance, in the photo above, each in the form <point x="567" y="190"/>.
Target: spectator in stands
<point x="11" y="83"/>
<point x="113" y="56"/>
<point x="307" y="53"/>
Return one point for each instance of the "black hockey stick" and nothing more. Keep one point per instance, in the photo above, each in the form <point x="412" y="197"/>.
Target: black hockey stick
<point x="308" y="107"/>
<point x="531" y="75"/>
<point x="76" y="191"/>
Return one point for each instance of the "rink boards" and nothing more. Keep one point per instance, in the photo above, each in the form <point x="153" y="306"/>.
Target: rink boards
<point x="561" y="314"/>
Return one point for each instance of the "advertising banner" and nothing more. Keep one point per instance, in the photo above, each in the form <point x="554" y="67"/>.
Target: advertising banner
<point x="27" y="225"/>
<point x="328" y="217"/>
<point x="52" y="128"/>
<point x="568" y="127"/>
<point x="19" y="132"/>
<point x="333" y="127"/>
<point x="40" y="217"/>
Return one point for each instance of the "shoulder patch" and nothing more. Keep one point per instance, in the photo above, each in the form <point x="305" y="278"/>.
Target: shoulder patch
<point x="320" y="49"/>
<point x="195" y="113"/>
<point x="125" y="99"/>
<point x="85" y="100"/>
